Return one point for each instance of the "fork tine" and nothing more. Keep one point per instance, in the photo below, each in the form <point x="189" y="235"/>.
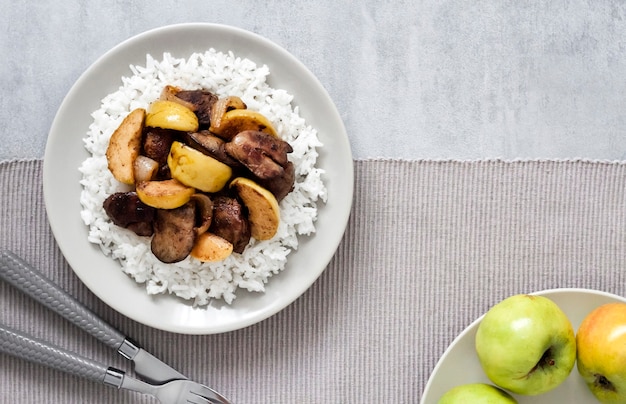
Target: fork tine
<point x="207" y="394"/>
<point x="199" y="400"/>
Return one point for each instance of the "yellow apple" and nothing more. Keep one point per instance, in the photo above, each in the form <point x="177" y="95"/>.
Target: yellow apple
<point x="601" y="352"/>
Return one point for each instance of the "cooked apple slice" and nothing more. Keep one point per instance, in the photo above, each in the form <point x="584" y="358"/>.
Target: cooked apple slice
<point x="222" y="106"/>
<point x="211" y="248"/>
<point x="238" y="120"/>
<point x="195" y="169"/>
<point x="125" y="145"/>
<point x="166" y="194"/>
<point x="263" y="210"/>
<point x="171" y="115"/>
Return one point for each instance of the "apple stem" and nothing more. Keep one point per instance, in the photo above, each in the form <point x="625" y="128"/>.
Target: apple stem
<point x="546" y="361"/>
<point x="603" y="383"/>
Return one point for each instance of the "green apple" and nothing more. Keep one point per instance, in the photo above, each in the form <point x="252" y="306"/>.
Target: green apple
<point x="601" y="343"/>
<point x="526" y="344"/>
<point x="476" y="393"/>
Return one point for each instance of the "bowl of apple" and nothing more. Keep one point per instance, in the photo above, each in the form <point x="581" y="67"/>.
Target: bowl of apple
<point x="556" y="345"/>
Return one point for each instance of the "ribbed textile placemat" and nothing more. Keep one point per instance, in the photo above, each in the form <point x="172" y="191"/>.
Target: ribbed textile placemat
<point x="430" y="245"/>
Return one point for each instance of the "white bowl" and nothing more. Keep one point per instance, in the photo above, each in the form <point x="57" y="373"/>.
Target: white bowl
<point x="459" y="363"/>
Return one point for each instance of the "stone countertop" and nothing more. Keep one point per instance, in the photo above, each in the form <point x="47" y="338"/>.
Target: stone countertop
<point x="411" y="80"/>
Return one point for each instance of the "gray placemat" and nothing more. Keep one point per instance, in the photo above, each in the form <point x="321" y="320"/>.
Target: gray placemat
<point x="429" y="247"/>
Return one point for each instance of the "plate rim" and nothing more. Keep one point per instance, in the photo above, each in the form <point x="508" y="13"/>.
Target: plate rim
<point x="343" y="202"/>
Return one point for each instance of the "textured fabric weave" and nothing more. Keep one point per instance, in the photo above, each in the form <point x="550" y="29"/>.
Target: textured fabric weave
<point x="429" y="247"/>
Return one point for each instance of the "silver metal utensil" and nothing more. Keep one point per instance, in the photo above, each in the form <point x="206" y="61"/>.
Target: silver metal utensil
<point x="20" y="345"/>
<point x="25" y="278"/>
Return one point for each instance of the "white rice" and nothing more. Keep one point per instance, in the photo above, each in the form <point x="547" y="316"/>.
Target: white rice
<point x="190" y="279"/>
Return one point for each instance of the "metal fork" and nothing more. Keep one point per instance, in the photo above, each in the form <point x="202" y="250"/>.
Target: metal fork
<point x="20" y="345"/>
<point x="159" y="379"/>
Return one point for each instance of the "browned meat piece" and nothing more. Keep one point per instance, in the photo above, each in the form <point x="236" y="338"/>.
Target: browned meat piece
<point x="141" y="228"/>
<point x="174" y="233"/>
<point x="258" y="163"/>
<point x="263" y="154"/>
<point x="230" y="222"/>
<point x="156" y="145"/>
<point x="211" y="145"/>
<point x="282" y="185"/>
<point x="202" y="102"/>
<point x="126" y="210"/>
<point x="266" y="157"/>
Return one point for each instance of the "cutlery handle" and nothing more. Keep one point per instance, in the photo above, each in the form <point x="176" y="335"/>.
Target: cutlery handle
<point x="25" y="278"/>
<point x="22" y="346"/>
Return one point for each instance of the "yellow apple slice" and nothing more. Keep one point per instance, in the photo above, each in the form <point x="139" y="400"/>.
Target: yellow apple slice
<point x="166" y="194"/>
<point x="223" y="105"/>
<point x="171" y="115"/>
<point x="211" y="248"/>
<point x="195" y="169"/>
<point x="125" y="145"/>
<point x="238" y="120"/>
<point x="263" y="209"/>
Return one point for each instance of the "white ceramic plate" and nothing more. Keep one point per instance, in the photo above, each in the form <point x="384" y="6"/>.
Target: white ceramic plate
<point x="101" y="274"/>
<point x="459" y="364"/>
